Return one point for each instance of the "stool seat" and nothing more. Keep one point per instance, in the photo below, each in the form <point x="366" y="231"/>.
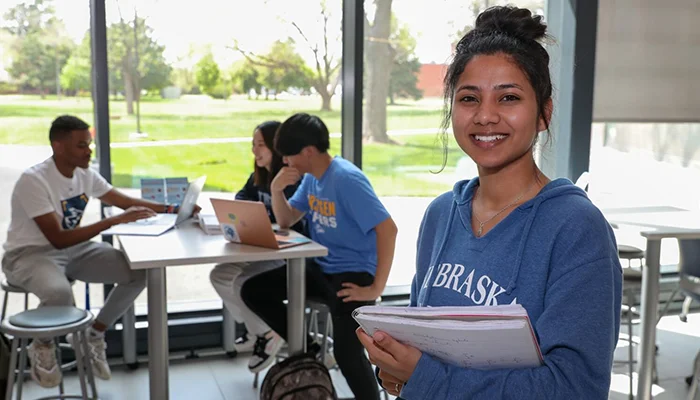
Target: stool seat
<point x="10" y="288"/>
<point x="45" y="322"/>
<point x="631" y="275"/>
<point x="629" y="252"/>
<point x="47" y="317"/>
<point x="317" y="304"/>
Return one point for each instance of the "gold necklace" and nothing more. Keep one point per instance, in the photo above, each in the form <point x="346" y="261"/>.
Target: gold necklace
<point x="481" y="224"/>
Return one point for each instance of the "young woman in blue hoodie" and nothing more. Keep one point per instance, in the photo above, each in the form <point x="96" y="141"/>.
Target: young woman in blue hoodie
<point x="510" y="235"/>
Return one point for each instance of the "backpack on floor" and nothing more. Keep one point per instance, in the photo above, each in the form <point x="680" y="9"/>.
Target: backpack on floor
<point x="301" y="377"/>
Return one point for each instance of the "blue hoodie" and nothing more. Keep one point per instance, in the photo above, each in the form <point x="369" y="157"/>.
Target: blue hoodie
<point x="556" y="256"/>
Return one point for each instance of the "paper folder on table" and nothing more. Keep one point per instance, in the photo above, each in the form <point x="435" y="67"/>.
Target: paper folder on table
<point x="480" y="337"/>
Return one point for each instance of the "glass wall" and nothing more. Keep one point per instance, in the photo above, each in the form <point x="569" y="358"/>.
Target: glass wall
<point x="406" y="57"/>
<point x="188" y="85"/>
<point x="646" y="165"/>
<point x="40" y="43"/>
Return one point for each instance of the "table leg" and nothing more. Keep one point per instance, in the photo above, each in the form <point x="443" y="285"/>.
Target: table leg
<point x="649" y="305"/>
<point x="228" y="327"/>
<point x="157" y="335"/>
<point x="129" y="337"/>
<point x="296" y="293"/>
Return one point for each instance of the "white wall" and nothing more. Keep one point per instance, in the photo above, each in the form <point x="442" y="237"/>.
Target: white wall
<point x="648" y="61"/>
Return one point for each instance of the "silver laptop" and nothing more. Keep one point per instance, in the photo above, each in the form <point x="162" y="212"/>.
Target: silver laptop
<point x="162" y="223"/>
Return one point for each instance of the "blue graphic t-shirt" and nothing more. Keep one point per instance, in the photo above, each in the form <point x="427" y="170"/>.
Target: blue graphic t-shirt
<point x="73" y="209"/>
<point x="341" y="211"/>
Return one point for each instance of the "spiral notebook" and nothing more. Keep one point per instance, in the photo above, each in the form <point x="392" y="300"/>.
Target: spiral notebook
<point x="480" y="337"/>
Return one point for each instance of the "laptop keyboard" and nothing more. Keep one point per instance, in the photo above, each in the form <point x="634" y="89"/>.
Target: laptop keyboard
<point x="296" y="240"/>
<point x="151" y="220"/>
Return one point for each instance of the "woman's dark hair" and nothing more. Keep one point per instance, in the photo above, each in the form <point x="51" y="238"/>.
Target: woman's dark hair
<point x="508" y="30"/>
<point x="299" y="131"/>
<point x="261" y="176"/>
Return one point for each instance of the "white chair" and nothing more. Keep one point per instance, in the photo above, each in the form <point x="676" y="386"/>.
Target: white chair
<point x="583" y="180"/>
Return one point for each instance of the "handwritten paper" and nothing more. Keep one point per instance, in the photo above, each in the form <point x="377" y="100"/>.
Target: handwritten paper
<point x="471" y="337"/>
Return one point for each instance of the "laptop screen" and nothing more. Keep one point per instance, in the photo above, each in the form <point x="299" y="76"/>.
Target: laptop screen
<point x="190" y="200"/>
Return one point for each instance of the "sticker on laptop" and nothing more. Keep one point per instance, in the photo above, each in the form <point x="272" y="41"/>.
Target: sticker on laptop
<point x="230" y="233"/>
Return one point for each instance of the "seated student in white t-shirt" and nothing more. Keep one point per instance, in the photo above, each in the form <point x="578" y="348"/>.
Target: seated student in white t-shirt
<point x="46" y="245"/>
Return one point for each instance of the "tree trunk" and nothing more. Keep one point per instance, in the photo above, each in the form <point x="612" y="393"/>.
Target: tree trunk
<point x="379" y="63"/>
<point x="326" y="95"/>
<point x="129" y="92"/>
<point x="325" y="101"/>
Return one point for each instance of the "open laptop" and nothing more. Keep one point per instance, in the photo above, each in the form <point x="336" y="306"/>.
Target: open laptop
<point x="247" y="222"/>
<point x="162" y="223"/>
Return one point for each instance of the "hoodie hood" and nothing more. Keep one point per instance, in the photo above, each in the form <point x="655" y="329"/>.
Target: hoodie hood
<point x="461" y="207"/>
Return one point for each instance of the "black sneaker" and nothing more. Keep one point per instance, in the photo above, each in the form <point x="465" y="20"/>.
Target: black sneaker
<point x="264" y="352"/>
<point x="244" y="344"/>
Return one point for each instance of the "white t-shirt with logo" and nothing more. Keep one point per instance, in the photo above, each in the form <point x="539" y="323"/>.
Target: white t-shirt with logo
<point x="43" y="189"/>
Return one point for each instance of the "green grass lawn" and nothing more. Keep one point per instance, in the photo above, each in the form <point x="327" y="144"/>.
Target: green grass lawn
<point x="394" y="170"/>
<point x="26" y="119"/>
<point x="402" y="169"/>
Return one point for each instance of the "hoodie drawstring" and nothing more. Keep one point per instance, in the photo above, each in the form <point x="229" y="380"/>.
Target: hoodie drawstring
<point x="443" y="244"/>
<point x="521" y="246"/>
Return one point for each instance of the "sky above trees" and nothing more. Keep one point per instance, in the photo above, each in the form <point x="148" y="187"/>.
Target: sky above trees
<point x="184" y="27"/>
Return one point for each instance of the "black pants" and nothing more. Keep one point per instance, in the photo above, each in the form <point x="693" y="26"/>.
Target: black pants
<point x="264" y="295"/>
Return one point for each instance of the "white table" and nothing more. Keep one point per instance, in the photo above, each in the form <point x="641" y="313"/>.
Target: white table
<point x="188" y="245"/>
<point x="661" y="223"/>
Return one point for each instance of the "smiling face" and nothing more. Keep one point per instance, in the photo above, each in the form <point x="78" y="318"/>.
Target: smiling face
<point x="494" y="112"/>
<point x="263" y="155"/>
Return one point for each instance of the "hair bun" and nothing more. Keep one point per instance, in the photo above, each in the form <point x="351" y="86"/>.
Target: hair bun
<point x="511" y="21"/>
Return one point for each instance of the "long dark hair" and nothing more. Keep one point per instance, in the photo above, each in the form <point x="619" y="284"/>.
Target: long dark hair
<point x="263" y="177"/>
<point x="507" y="30"/>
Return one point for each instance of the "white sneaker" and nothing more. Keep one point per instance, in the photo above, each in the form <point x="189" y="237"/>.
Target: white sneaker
<point x="98" y="358"/>
<point x="45" y="370"/>
<point x="266" y="348"/>
<point x="244" y="344"/>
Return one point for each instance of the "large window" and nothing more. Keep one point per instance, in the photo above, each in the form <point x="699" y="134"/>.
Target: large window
<point x="646" y="164"/>
<point x="189" y="84"/>
<point x="40" y="44"/>
<point x="406" y="57"/>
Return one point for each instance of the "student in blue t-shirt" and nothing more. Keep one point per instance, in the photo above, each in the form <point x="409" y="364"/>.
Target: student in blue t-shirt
<point x="343" y="214"/>
<point x="228" y="278"/>
<point x="510" y="235"/>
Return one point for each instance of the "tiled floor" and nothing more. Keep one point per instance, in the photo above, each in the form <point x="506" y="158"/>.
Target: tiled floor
<point x="221" y="378"/>
<point x="207" y="378"/>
